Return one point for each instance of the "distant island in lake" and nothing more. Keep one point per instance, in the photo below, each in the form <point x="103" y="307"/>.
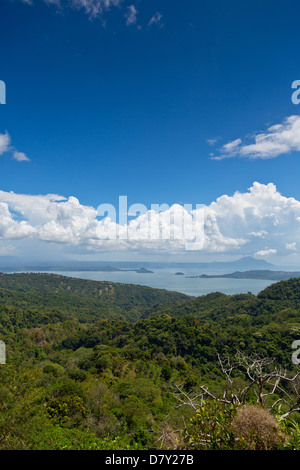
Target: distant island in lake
<point x="140" y="271"/>
<point x="254" y="274"/>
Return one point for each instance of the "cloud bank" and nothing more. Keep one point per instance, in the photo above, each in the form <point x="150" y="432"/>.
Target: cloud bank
<point x="259" y="222"/>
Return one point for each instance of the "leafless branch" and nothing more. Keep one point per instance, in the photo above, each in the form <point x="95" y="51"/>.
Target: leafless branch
<point x="264" y="381"/>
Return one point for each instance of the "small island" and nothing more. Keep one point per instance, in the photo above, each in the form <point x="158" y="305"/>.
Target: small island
<point x="179" y="274"/>
<point x="143" y="271"/>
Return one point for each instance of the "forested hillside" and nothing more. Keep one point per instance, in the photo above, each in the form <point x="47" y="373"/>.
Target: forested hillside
<point x="82" y="299"/>
<point x="96" y="365"/>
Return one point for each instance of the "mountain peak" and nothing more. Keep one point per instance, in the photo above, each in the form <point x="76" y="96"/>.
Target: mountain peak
<point x="251" y="261"/>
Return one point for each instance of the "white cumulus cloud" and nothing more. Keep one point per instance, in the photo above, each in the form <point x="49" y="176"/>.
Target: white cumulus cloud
<point x="259" y="221"/>
<point x="266" y="252"/>
<point x="4" y="143"/>
<point x="291" y="246"/>
<point x="20" y="156"/>
<point x="5" y="147"/>
<point x="277" y="140"/>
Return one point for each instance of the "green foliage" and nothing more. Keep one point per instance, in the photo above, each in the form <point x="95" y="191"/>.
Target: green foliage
<point x="292" y="430"/>
<point x="22" y="413"/>
<point x="92" y="365"/>
<point x="48" y="298"/>
<point x="210" y="428"/>
<point x="221" y="426"/>
<point x="67" y="410"/>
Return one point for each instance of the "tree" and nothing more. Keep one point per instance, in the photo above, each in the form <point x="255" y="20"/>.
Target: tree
<point x="230" y="420"/>
<point x="264" y="381"/>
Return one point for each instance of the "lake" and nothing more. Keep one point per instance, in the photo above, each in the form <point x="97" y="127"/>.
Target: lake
<point x="166" y="279"/>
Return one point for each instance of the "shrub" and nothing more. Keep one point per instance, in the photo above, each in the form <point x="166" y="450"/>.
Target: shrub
<point x="257" y="428"/>
<point x="210" y="428"/>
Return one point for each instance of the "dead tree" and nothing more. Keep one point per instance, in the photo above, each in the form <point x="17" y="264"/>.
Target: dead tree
<point x="264" y="380"/>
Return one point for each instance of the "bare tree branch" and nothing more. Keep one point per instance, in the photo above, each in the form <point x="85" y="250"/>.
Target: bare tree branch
<point x="264" y="381"/>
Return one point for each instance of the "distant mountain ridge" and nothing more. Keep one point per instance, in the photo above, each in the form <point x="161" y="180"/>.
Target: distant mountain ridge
<point x="254" y="274"/>
<point x="245" y="263"/>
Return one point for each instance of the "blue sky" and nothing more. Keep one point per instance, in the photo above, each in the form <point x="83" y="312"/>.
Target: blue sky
<point x="162" y="101"/>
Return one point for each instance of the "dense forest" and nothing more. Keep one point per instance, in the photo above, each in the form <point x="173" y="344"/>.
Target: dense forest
<point x="96" y="365"/>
